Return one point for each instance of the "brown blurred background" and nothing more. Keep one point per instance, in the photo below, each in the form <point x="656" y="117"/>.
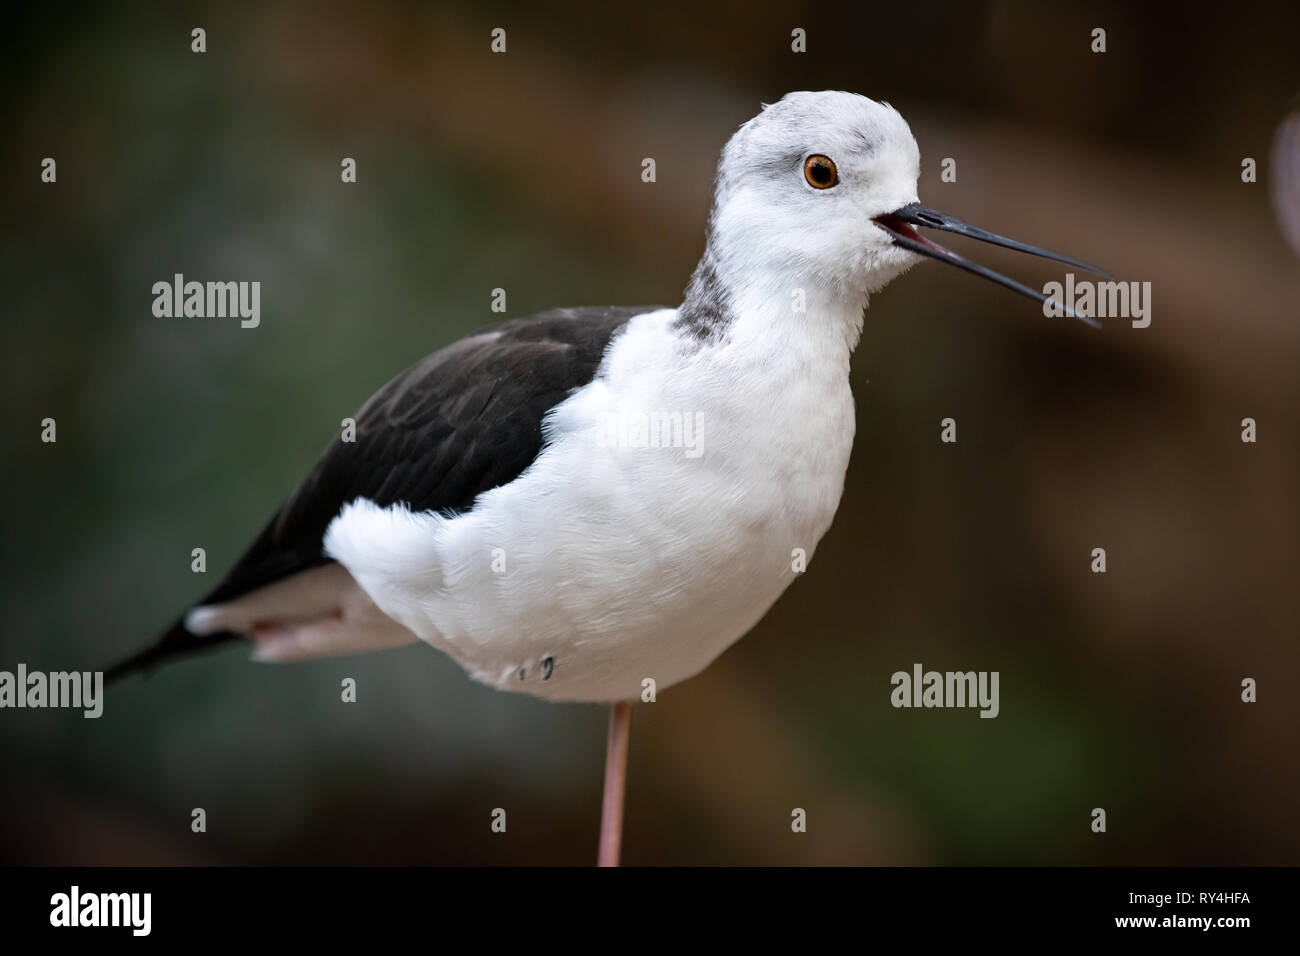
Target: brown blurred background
<point x="522" y="171"/>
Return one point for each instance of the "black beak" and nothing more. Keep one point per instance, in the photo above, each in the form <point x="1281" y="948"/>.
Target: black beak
<point x="899" y="225"/>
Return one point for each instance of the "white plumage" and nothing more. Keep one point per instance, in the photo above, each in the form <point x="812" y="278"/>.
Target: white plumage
<point x="602" y="565"/>
<point x="605" y="563"/>
<point x="625" y="563"/>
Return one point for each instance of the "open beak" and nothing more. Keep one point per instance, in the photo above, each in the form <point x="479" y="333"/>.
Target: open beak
<point x="899" y="225"/>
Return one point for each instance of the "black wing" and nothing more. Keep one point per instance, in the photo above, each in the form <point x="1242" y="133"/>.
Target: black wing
<point x="464" y="420"/>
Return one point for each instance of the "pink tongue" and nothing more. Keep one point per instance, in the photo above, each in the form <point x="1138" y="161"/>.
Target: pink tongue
<point x="906" y="229"/>
<point x="899" y="226"/>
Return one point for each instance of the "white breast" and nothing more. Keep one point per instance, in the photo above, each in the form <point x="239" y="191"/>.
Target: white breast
<point x="603" y="564"/>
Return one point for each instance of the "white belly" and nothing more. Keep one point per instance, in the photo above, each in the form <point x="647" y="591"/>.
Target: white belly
<point x="604" y="565"/>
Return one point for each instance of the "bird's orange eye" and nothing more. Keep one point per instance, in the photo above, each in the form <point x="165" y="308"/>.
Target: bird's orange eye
<point x="820" y="172"/>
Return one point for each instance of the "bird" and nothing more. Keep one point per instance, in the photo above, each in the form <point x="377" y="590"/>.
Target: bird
<point x="578" y="502"/>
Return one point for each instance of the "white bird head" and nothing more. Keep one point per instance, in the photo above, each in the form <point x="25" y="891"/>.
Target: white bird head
<point x="821" y="188"/>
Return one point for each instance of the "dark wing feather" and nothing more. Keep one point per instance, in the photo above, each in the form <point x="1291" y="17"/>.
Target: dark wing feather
<point x="462" y="421"/>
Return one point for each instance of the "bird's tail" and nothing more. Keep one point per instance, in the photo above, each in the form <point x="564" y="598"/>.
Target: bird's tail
<point x="178" y="641"/>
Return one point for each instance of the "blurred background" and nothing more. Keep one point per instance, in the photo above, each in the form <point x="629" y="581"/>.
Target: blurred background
<point x="522" y="171"/>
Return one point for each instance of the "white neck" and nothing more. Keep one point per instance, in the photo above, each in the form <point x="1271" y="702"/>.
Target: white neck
<point x="773" y="314"/>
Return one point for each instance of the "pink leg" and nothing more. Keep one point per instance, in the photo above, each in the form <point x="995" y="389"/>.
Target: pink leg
<point x="611" y="811"/>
